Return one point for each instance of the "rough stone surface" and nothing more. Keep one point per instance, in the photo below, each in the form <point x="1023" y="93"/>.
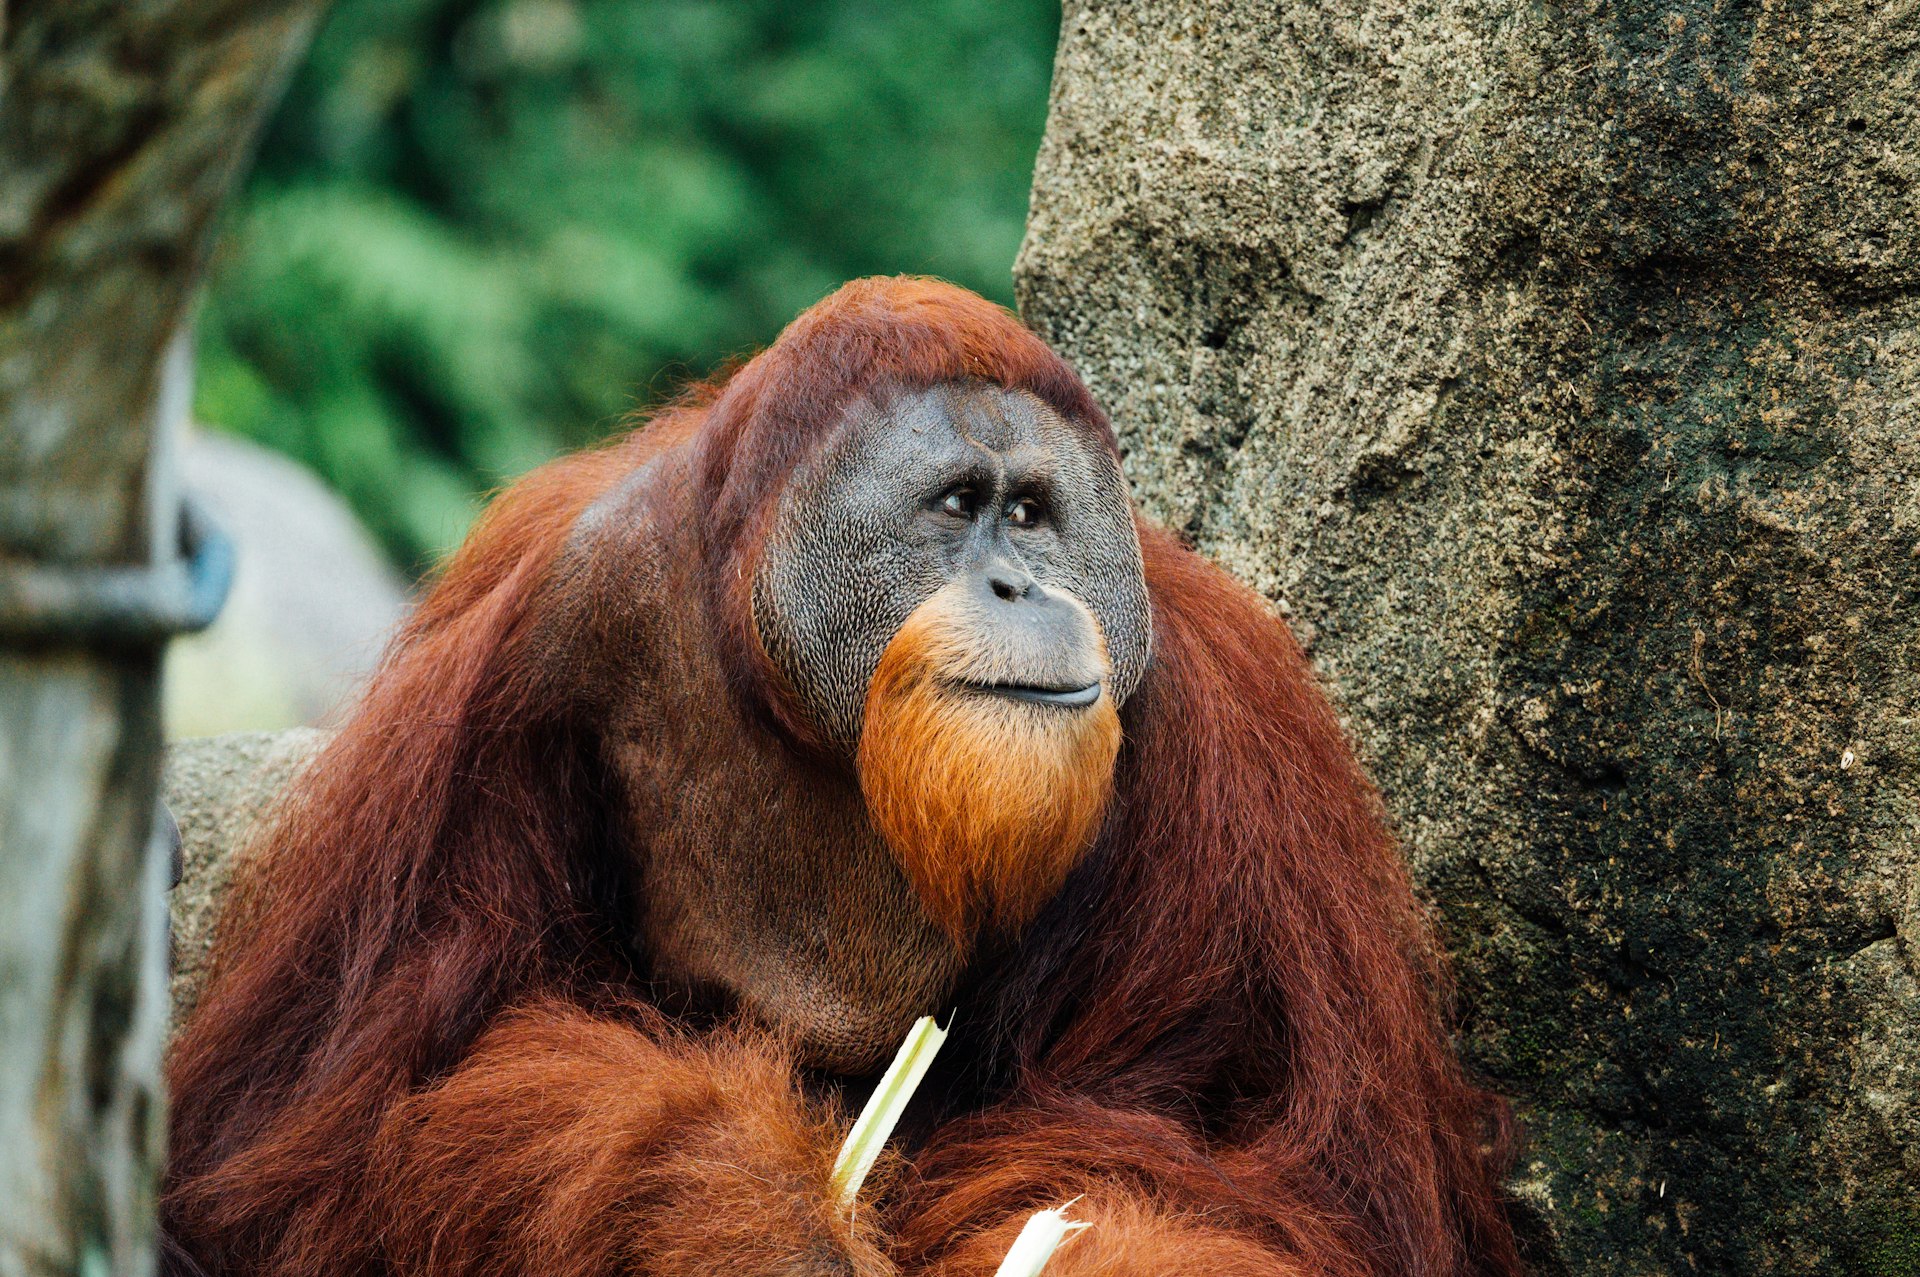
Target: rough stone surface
<point x="218" y="788"/>
<point x="1556" y="370"/>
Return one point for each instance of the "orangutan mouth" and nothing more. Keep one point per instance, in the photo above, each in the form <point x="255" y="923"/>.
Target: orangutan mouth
<point x="1063" y="697"/>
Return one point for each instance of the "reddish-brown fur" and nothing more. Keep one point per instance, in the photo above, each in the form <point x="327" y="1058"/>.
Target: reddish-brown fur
<point x="986" y="803"/>
<point x="427" y="1046"/>
<point x="1234" y="1014"/>
<point x="1130" y="1235"/>
<point x="664" y="1146"/>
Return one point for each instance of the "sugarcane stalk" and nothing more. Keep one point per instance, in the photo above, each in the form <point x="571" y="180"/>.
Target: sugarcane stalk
<point x="1042" y="1235"/>
<point x="884" y="1106"/>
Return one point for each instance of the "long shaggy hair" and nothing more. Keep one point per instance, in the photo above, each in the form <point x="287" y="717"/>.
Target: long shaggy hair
<point x="1235" y="991"/>
<point x="1231" y="1006"/>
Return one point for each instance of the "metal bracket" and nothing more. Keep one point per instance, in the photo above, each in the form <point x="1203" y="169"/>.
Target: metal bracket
<point x="122" y="606"/>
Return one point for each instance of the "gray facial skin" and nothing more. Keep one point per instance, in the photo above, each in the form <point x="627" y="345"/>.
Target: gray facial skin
<point x="963" y="482"/>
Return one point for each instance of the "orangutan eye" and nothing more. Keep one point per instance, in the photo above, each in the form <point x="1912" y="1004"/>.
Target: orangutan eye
<point x="1023" y="513"/>
<point x="960" y="503"/>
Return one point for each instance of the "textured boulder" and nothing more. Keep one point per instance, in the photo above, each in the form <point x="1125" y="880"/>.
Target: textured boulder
<point x="218" y="789"/>
<point x="1556" y="370"/>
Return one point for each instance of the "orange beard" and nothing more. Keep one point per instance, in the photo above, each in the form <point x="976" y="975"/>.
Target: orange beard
<point x="986" y="802"/>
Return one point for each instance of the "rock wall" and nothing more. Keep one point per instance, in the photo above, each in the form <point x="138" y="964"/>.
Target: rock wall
<point x="219" y="788"/>
<point x="1555" y="368"/>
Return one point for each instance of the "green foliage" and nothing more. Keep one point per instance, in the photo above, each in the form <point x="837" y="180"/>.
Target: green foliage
<point x="481" y="232"/>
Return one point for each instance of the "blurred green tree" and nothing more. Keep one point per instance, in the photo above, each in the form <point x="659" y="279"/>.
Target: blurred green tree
<point x="481" y="231"/>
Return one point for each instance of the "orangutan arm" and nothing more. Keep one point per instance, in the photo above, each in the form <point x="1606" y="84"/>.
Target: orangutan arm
<point x="1131" y="1236"/>
<point x="576" y="1147"/>
<point x="1159" y="1203"/>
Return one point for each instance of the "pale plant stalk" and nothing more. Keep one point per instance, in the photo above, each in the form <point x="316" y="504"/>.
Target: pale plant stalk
<point x="1044" y="1232"/>
<point x="883" y="1109"/>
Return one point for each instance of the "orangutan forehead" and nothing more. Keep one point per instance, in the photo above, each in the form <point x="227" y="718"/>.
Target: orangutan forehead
<point x="986" y="415"/>
<point x="966" y="421"/>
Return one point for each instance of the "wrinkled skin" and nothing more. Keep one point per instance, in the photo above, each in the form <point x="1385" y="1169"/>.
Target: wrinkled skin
<point x="861" y="539"/>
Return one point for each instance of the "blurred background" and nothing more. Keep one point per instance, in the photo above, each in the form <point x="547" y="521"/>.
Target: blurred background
<point x="482" y="233"/>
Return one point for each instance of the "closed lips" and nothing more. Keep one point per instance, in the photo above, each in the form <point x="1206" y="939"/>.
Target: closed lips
<point x="1065" y="697"/>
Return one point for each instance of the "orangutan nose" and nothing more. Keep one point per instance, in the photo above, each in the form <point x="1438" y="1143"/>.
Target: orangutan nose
<point x="1009" y="583"/>
<point x="1029" y="641"/>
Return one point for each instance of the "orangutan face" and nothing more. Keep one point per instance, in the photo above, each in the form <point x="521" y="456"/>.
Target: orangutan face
<point x="953" y="591"/>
